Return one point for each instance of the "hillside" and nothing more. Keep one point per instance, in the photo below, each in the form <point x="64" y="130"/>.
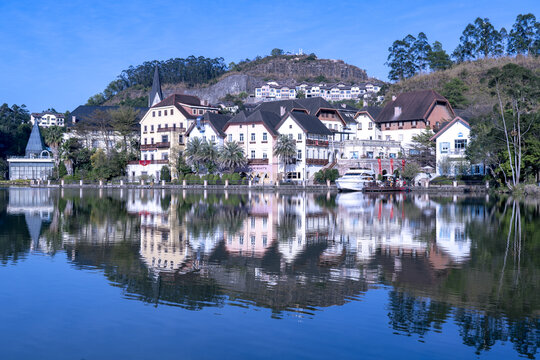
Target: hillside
<point x="245" y="76"/>
<point x="477" y="99"/>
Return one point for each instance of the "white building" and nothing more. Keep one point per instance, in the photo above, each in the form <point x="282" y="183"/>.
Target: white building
<point x="209" y="128"/>
<point x="47" y="119"/>
<point x="451" y="143"/>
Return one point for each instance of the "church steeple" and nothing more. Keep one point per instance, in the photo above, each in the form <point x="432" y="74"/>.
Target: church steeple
<point x="35" y="144"/>
<point x="155" y="94"/>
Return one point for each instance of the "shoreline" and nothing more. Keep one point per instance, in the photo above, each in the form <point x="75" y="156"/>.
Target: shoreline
<point x="446" y="189"/>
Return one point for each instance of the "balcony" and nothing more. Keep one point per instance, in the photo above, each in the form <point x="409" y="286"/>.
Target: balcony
<point x="148" y="162"/>
<point x="171" y="129"/>
<point x="321" y="162"/>
<point x="148" y="147"/>
<point x="311" y="142"/>
<point x="161" y="145"/>
<point x="257" y="161"/>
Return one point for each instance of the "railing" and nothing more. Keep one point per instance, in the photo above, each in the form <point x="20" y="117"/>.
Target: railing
<point x="317" y="161"/>
<point x="148" y="162"/>
<point x="257" y="161"/>
<point x="169" y="129"/>
<point x="317" y="142"/>
<point x="357" y="142"/>
<point x="163" y="144"/>
<point x="148" y="147"/>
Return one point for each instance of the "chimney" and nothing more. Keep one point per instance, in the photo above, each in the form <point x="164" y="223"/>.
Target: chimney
<point x="73" y="119"/>
<point x="393" y="97"/>
<point x="397" y="111"/>
<point x="281" y="110"/>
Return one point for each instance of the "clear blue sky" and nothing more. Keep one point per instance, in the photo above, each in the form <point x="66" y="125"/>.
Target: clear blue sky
<point x="59" y="53"/>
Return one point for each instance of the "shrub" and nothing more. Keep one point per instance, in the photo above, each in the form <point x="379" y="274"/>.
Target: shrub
<point x="165" y="174"/>
<point x="62" y="171"/>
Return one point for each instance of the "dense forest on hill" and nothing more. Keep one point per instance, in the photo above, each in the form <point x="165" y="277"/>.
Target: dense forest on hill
<point x="190" y="71"/>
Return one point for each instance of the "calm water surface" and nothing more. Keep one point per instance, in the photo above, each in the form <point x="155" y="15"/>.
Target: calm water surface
<point x="143" y="274"/>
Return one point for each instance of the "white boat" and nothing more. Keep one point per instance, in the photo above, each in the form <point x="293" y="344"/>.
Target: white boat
<point x="355" y="179"/>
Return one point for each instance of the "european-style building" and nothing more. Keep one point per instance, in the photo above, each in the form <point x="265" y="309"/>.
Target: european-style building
<point x="47" y="119"/>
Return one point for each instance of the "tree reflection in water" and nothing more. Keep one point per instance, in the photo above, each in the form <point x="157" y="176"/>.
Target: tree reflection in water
<point x="467" y="260"/>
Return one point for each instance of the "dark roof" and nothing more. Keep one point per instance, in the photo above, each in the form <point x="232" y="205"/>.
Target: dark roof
<point x="217" y="121"/>
<point x="35" y="143"/>
<point x="275" y="106"/>
<point x="311" y="105"/>
<point x="269" y="119"/>
<point x="345" y="107"/>
<point x="373" y="111"/>
<point x="309" y="123"/>
<point x="176" y="99"/>
<point x="448" y="125"/>
<point x="415" y="105"/>
<point x="156" y="88"/>
<point x="85" y="113"/>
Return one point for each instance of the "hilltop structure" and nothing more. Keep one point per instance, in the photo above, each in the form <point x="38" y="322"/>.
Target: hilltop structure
<point x="47" y="119"/>
<point x="36" y="164"/>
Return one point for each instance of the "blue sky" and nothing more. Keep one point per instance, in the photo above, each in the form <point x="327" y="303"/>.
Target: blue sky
<point x="59" y="53"/>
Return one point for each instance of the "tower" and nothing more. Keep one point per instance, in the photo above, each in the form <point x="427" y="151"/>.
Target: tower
<point x="35" y="144"/>
<point x="155" y="94"/>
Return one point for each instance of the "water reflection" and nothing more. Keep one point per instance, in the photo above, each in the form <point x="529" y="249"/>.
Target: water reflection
<point x="466" y="260"/>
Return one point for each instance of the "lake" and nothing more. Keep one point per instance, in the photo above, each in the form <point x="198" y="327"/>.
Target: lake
<point x="140" y="274"/>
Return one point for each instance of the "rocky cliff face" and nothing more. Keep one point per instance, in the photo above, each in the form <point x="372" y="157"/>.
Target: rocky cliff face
<point x="301" y="68"/>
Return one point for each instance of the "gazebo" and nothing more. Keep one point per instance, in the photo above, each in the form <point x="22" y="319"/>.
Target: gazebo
<point x="36" y="164"/>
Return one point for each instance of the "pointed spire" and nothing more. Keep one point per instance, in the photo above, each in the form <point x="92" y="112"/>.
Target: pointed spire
<point x="35" y="144"/>
<point x="155" y="94"/>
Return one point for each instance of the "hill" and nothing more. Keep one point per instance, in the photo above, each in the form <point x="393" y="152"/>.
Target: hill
<point x="246" y="75"/>
<point x="462" y="84"/>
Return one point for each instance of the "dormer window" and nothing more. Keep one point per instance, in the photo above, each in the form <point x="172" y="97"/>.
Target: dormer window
<point x="397" y="111"/>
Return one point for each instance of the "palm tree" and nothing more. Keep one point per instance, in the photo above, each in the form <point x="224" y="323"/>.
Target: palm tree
<point x="209" y="155"/>
<point x="285" y="150"/>
<point x="231" y="156"/>
<point x="194" y="152"/>
<point x="53" y="137"/>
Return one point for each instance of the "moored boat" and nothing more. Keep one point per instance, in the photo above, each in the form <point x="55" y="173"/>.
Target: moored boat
<point x="355" y="179"/>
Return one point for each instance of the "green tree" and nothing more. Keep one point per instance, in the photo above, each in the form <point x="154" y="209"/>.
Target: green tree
<point x="466" y="49"/>
<point x="14" y="130"/>
<point x="410" y="171"/>
<point x="300" y="94"/>
<point x="285" y="150"/>
<point x="401" y="59"/>
<point x="438" y="59"/>
<point x="100" y="165"/>
<point x="276" y="52"/>
<point x="421" y="52"/>
<point x="424" y="149"/>
<point x="479" y="39"/>
<point x="231" y="156"/>
<point x="62" y="171"/>
<point x="124" y="121"/>
<point x="53" y="137"/>
<point x="454" y="90"/>
<point x="165" y="174"/>
<point x="524" y="38"/>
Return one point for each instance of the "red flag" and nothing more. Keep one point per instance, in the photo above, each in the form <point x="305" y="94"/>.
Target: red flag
<point x="380" y="166"/>
<point x="403" y="164"/>
<point x="392" y="165"/>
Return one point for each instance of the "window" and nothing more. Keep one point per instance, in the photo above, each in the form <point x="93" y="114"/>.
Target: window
<point x="159" y="126"/>
<point x="164" y="138"/>
<point x="299" y="136"/>
<point x="159" y="113"/>
<point x="265" y="240"/>
<point x="290" y="136"/>
<point x="460" y="144"/>
<point x="164" y="156"/>
<point x="359" y="126"/>
<point x="152" y="157"/>
<point x="388" y="138"/>
<point x="165" y="113"/>
<point x="229" y="137"/>
<point x="370" y="125"/>
<point x="392" y="155"/>
<point x="253" y="154"/>
<point x="252" y="136"/>
<point x="145" y="141"/>
<point x="265" y="156"/>
<point x="252" y="221"/>
<point x="180" y="139"/>
<point x="172" y="112"/>
<point x="151" y="140"/>
<point x="213" y="137"/>
<point x="253" y="125"/>
<point x="153" y="114"/>
<point x="445" y="147"/>
<point x="241" y="137"/>
<point x="265" y="136"/>
<point x="252" y="237"/>
<point x="290" y="126"/>
<point x="145" y="156"/>
<point x="400" y="137"/>
<point x="145" y="128"/>
<point x="241" y="239"/>
<point x="151" y="128"/>
<point x="299" y="154"/>
<point x="413" y="123"/>
<point x="400" y="124"/>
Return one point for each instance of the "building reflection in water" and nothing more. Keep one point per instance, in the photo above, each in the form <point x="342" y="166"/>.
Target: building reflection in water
<point x="37" y="207"/>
